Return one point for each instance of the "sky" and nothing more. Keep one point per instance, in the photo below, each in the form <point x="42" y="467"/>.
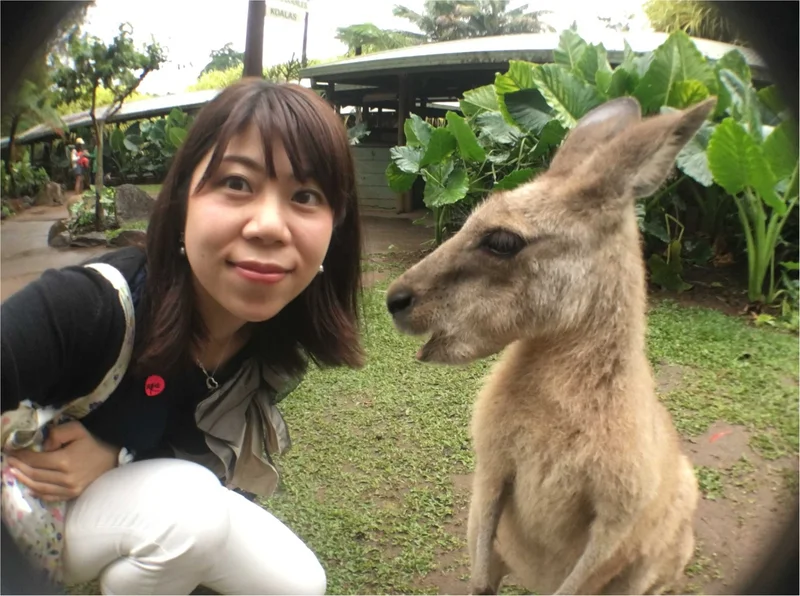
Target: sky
<point x="190" y="31"/>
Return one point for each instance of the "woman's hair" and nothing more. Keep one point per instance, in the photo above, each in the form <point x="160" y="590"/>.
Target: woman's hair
<point x="322" y="322"/>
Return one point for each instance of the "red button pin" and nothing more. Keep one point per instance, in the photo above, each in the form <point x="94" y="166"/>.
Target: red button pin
<point x="154" y="385"/>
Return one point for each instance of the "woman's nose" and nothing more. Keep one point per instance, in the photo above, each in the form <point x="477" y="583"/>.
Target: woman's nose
<point x="267" y="220"/>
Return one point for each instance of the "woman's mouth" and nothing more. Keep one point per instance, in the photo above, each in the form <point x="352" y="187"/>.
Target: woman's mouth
<point x="259" y="272"/>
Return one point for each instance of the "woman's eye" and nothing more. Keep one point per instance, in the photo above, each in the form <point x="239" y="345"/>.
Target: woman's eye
<point x="237" y="184"/>
<point x="307" y="197"/>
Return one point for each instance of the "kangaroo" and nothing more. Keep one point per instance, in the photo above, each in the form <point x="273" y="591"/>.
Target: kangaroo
<point x="580" y="485"/>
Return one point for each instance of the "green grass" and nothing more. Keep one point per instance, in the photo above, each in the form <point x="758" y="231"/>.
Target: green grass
<point x="732" y="371"/>
<point x="151" y="189"/>
<point x="369" y="485"/>
<point x="369" y="482"/>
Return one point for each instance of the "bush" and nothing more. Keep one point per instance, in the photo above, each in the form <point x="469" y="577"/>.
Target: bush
<point x="736" y="182"/>
<point x="82" y="213"/>
<point x="24" y="180"/>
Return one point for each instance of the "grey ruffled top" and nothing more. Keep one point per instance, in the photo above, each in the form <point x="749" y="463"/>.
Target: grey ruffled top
<point x="243" y="427"/>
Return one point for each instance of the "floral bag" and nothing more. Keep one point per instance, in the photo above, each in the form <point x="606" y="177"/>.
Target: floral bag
<point x="37" y="526"/>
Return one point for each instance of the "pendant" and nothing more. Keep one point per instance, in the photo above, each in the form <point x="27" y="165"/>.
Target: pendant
<point x="211" y="383"/>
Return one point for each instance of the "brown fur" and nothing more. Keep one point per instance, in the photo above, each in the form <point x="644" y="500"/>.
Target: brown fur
<point x="580" y="484"/>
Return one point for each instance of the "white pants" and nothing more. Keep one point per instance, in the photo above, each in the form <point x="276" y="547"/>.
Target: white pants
<point x="165" y="526"/>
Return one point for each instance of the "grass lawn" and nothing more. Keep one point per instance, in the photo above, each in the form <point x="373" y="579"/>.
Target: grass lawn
<point x="151" y="189"/>
<point x="377" y="480"/>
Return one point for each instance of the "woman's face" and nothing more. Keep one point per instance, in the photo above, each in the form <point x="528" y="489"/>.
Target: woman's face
<point x="254" y="243"/>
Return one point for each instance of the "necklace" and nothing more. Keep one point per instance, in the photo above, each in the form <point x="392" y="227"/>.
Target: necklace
<point x="211" y="382"/>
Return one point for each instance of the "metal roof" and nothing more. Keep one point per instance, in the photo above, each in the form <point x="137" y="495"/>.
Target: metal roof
<point x="491" y="51"/>
<point x="143" y="108"/>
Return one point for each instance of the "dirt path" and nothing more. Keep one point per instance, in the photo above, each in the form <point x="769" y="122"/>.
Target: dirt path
<point x="24" y="253"/>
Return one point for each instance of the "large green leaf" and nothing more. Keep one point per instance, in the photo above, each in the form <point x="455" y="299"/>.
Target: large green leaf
<point x="686" y="93"/>
<point x="528" y="109"/>
<point x="693" y="159"/>
<point x="132" y="143"/>
<point x="744" y="104"/>
<point x="771" y="106"/>
<point x="738" y="163"/>
<point x="495" y="129"/>
<point x="514" y="179"/>
<point x="628" y="58"/>
<point x="418" y="132"/>
<point x="569" y="97"/>
<point x="552" y="134"/>
<point x="571" y="47"/>
<point x="441" y="145"/>
<point x="177" y="136"/>
<point x="602" y="80"/>
<point x="677" y="59"/>
<point x="593" y="60"/>
<point x="780" y="150"/>
<point x="519" y="76"/>
<point x="622" y="83"/>
<point x="477" y="101"/>
<point x="399" y="181"/>
<point x="117" y="141"/>
<point x="468" y="146"/>
<point x="444" y="184"/>
<point x="735" y="61"/>
<point x="407" y="158"/>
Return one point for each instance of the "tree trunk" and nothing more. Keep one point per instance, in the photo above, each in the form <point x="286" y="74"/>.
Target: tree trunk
<point x="304" y="57"/>
<point x="98" y="179"/>
<point x="254" y="43"/>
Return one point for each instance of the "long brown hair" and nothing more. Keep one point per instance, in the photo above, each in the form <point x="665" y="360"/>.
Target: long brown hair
<point x="322" y="322"/>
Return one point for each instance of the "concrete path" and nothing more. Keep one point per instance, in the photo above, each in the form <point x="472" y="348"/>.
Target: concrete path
<point x="24" y="253"/>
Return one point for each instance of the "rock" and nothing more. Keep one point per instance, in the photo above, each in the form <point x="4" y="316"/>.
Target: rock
<point x="49" y="194"/>
<point x="26" y="202"/>
<point x="129" y="238"/>
<point x="133" y="204"/>
<point x="61" y="240"/>
<point x="56" y="234"/>
<point x="89" y="239"/>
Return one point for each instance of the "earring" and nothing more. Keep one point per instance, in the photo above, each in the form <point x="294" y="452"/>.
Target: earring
<point x="182" y="250"/>
<point x="321" y="268"/>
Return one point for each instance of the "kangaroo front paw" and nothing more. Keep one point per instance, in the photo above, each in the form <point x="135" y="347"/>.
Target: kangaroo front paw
<point x="482" y="590"/>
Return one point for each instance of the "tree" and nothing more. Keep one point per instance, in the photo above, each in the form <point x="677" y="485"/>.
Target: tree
<point x="223" y="59"/>
<point x="697" y="18"/>
<point x="33" y="102"/>
<point x="445" y="20"/>
<point x="366" y="38"/>
<point x="118" y="68"/>
<point x="623" y="26"/>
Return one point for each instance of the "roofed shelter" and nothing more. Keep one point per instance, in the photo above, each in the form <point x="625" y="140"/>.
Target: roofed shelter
<point x="425" y="78"/>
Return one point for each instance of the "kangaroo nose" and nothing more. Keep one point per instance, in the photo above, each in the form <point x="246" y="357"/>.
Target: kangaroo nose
<point x="399" y="300"/>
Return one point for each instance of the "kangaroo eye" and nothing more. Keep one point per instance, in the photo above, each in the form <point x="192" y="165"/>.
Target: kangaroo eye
<point x="502" y="243"/>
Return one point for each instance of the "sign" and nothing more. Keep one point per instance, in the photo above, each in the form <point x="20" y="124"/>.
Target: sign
<point x="290" y="10"/>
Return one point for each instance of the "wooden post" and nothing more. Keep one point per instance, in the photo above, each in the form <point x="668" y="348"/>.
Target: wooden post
<point x="254" y="42"/>
<point x="405" y="98"/>
<point x="304" y="58"/>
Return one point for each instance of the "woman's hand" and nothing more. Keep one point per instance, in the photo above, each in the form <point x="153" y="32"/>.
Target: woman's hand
<point x="72" y="459"/>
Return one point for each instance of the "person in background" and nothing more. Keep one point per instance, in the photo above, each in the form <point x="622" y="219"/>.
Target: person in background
<point x="77" y="170"/>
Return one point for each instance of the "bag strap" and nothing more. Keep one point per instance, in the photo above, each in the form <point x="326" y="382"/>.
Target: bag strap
<point x="81" y="406"/>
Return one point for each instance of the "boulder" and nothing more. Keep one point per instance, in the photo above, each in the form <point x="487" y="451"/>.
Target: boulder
<point x="133" y="204"/>
<point x="49" y="194"/>
<point x="89" y="239"/>
<point x="58" y="236"/>
<point x="129" y="238"/>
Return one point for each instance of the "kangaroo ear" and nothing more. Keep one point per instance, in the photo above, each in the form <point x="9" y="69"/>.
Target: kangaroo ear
<point x="642" y="156"/>
<point x="597" y="127"/>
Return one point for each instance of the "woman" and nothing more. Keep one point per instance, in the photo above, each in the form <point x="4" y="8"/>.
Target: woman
<point x="251" y="268"/>
<point x="75" y="162"/>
